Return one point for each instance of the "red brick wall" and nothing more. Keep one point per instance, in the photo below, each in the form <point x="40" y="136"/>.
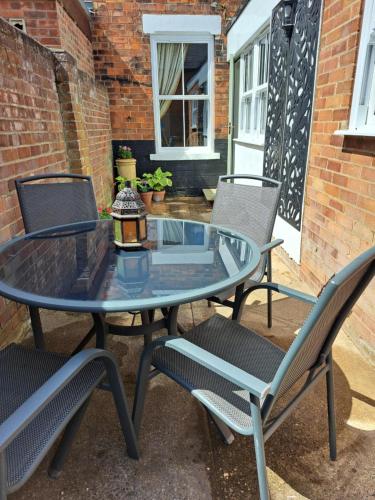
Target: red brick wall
<point x="339" y="216"/>
<point x="49" y="23"/>
<point x="53" y="118"/>
<point x="40" y="17"/>
<point x="74" y="41"/>
<point x="122" y="61"/>
<point x="31" y="135"/>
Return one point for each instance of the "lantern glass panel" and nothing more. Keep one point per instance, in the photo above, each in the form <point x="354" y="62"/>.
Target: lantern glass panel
<point x="129" y="231"/>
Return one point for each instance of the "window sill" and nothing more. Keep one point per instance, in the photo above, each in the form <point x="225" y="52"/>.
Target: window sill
<point x="171" y="156"/>
<point x="250" y="142"/>
<point x="356" y="132"/>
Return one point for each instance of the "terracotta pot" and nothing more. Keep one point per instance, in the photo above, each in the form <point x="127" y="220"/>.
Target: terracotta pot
<point x="126" y="168"/>
<point x="158" y="196"/>
<point x="147" y="199"/>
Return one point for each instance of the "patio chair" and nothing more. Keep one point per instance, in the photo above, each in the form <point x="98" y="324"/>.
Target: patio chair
<point x="250" y="209"/>
<point x="48" y="204"/>
<point x="43" y="394"/>
<point x="238" y="375"/>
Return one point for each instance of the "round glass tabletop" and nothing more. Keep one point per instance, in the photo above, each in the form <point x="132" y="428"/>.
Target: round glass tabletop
<point x="79" y="268"/>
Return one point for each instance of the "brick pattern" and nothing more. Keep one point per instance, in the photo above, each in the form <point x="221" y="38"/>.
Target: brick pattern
<point x="40" y="17"/>
<point x="31" y="136"/>
<point x="52" y="119"/>
<point x="74" y="41"/>
<point x="122" y="61"/>
<point x="339" y="216"/>
<point x="87" y="127"/>
<point x="48" y="22"/>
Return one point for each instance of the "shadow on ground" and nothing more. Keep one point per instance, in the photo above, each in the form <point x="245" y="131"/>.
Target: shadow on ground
<point x="183" y="456"/>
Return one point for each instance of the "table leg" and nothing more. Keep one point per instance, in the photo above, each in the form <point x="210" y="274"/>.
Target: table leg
<point x="147" y="318"/>
<point x="172" y="325"/>
<point x="101" y="330"/>
<point x="36" y="326"/>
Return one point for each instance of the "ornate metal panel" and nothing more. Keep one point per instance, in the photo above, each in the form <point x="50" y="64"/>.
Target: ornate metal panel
<point x="279" y="50"/>
<point x="290" y="101"/>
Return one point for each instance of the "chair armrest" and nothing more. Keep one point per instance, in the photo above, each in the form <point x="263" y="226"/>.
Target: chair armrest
<point x="19" y="419"/>
<point x="271" y="245"/>
<point x="226" y="370"/>
<point x="290" y="292"/>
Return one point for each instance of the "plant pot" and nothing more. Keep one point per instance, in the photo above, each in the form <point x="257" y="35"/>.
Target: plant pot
<point x="158" y="196"/>
<point x="126" y="168"/>
<point x="147" y="199"/>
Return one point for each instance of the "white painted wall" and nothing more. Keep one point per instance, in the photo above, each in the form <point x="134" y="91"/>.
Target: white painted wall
<point x="248" y="158"/>
<point x="251" y="20"/>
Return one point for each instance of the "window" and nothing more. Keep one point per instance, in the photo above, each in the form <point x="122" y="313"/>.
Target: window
<point x="362" y="116"/>
<point x="182" y="68"/>
<point x="253" y="90"/>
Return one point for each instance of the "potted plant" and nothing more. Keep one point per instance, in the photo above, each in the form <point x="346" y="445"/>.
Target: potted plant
<point x="121" y="182"/>
<point x="145" y="191"/>
<point x="158" y="181"/>
<point x="126" y="163"/>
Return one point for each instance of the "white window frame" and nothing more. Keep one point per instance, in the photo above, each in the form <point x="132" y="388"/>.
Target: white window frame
<point x="250" y="123"/>
<point x="358" y="124"/>
<point x="192" y="152"/>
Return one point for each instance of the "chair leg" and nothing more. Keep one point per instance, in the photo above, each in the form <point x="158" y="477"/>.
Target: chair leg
<point x="55" y="468"/>
<point x="119" y="397"/>
<point x="141" y="388"/>
<point x="259" y="447"/>
<point x="331" y="409"/>
<point x="238" y="303"/>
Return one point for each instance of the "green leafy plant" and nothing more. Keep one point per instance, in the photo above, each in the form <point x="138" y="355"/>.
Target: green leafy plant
<point x="125" y="153"/>
<point x="143" y="185"/>
<point x="105" y="213"/>
<point x="121" y="182"/>
<point x="159" y="180"/>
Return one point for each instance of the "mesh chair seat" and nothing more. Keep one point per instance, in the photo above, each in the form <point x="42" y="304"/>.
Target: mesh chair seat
<point x="236" y="345"/>
<point x="22" y="372"/>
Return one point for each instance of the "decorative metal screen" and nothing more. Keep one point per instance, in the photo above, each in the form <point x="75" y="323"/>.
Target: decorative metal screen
<point x="290" y="100"/>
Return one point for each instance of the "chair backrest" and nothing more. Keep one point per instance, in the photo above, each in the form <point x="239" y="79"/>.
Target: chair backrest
<point x="248" y="207"/>
<point x="314" y="341"/>
<point x="51" y="204"/>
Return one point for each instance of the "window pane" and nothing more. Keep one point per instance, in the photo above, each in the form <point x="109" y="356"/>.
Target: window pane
<point x="247" y="112"/>
<point x="170" y="68"/>
<point x="248" y="70"/>
<point x="196" y="123"/>
<point x="171" y="124"/>
<point x="263" y="111"/>
<point x="263" y="60"/>
<point x="196" y="68"/>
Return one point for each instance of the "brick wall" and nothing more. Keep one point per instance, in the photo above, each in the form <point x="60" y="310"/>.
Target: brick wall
<point x="122" y="61"/>
<point x="53" y="118"/>
<point x="74" y="41"/>
<point x="31" y="136"/>
<point x="339" y="216"/>
<point x="51" y="25"/>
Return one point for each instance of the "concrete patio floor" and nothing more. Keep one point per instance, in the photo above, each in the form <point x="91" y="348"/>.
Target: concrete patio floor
<point x="183" y="456"/>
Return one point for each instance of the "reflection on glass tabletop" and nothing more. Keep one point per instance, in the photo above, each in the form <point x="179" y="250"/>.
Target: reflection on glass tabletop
<point x="79" y="268"/>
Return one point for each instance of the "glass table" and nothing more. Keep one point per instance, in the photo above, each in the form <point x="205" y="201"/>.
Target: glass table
<point x="78" y="268"/>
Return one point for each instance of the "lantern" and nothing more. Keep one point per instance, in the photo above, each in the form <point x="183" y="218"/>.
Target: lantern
<point x="129" y="219"/>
